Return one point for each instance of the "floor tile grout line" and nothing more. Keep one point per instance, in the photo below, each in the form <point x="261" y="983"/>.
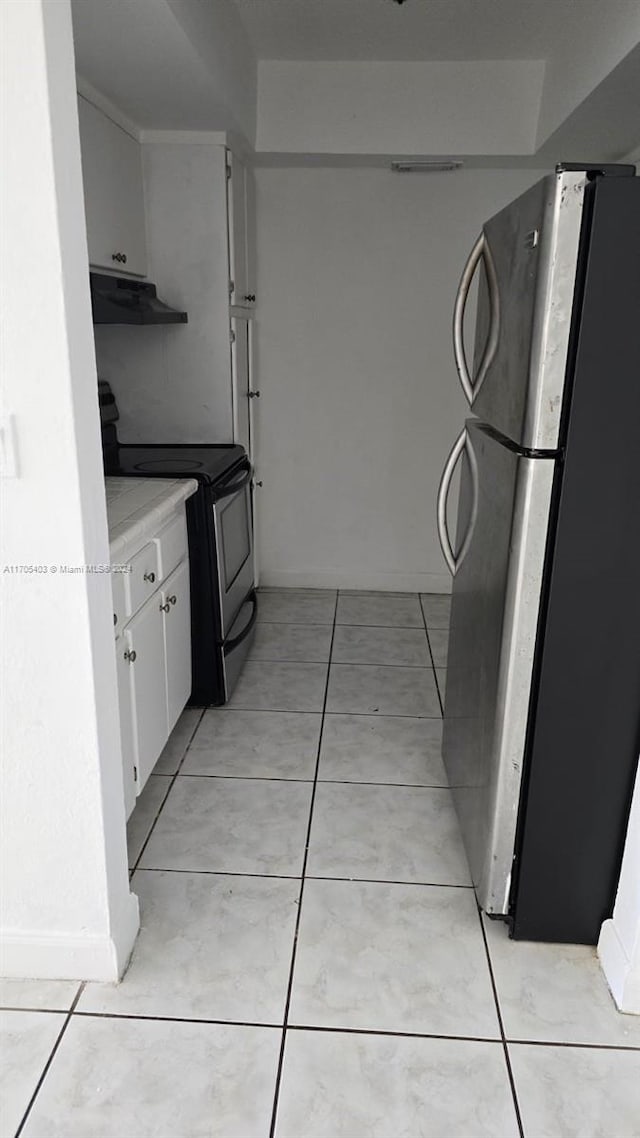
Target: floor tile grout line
<point x="379" y="664"/>
<point x="308" y="877"/>
<point x="168" y="792"/>
<point x="24" y="1008"/>
<point x="52" y="1055"/>
<point x="300" y="624"/>
<point x="219" y="873"/>
<point x="387" y="1033"/>
<point x="507" y="1057"/>
<point x="348" y="624"/>
<point x="582" y="1046"/>
<point x="496" y="1040"/>
<point x="287" y="1004"/>
<point x="342" y="663"/>
<point x="318" y="711"/>
<point x="324" y="781"/>
<point x="148" y="1018"/>
<point x="433" y="666"/>
<point x="391" y="881"/>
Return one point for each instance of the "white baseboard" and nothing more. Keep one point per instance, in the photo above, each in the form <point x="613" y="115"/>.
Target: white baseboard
<point x="623" y="976"/>
<point x="56" y="956"/>
<point x="347" y="579"/>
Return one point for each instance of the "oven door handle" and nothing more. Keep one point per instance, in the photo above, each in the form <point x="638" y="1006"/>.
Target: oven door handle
<point x="229" y="645"/>
<point x="233" y="487"/>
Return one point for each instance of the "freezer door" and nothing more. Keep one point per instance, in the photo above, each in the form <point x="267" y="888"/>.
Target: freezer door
<point x="527" y="274"/>
<point x="496" y="596"/>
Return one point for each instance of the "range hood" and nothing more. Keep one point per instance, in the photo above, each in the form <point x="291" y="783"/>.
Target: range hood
<point x="119" y="300"/>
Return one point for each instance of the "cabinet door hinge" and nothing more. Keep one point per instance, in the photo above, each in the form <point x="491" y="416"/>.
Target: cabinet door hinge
<point x="232" y="336"/>
<point x="232" y="287"/>
<point x="228" y="172"/>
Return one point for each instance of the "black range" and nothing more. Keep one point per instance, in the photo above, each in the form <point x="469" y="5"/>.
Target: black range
<point x="220" y="534"/>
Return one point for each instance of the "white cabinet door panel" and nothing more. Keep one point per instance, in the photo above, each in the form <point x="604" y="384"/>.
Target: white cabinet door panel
<point x="177" y="641"/>
<point x="240" y="382"/>
<point x="237" y="231"/>
<point x="250" y="232"/>
<point x="144" y="637"/>
<point x="125" y="708"/>
<point x="113" y="193"/>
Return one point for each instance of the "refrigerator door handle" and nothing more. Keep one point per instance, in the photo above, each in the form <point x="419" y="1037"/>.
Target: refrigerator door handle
<point x="462" y="443"/>
<point x="480" y="251"/>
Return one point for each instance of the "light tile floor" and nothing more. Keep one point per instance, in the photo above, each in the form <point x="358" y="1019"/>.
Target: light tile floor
<point x="312" y="963"/>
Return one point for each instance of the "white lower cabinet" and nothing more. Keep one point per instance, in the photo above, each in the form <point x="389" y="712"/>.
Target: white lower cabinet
<point x="126" y="725"/>
<point x="145" y="654"/>
<point x="177" y="641"/>
<point x="152" y="617"/>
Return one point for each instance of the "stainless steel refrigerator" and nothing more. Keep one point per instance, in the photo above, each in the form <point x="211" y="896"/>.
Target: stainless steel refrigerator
<point x="542" y="700"/>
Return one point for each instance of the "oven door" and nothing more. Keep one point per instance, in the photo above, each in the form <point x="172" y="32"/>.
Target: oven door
<point x="234" y="543"/>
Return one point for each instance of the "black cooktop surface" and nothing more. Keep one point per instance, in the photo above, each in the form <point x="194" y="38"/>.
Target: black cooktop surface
<point x="206" y="461"/>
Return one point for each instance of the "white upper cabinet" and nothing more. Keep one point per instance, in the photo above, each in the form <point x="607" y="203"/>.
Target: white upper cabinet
<point x="240" y="212"/>
<point x="113" y="193"/>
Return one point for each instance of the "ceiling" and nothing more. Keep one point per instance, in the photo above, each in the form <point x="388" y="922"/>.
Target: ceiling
<point x="338" y="64"/>
<point x="418" y="30"/>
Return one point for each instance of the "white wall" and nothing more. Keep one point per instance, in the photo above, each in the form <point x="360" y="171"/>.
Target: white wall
<point x="169" y="64"/>
<point x="173" y="383"/>
<point x="219" y="37"/>
<point x="399" y="108"/>
<point x="357" y="271"/>
<point x="589" y="47"/>
<point x="66" y="906"/>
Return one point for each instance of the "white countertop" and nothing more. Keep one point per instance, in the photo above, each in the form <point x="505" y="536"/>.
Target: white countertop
<point x="138" y="507"/>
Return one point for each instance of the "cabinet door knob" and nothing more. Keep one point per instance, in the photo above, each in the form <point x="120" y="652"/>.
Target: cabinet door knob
<point x="130" y="656"/>
<point x="149" y="577"/>
<point x="173" y="599"/>
<point x="120" y="257"/>
<point x="250" y="296"/>
<point x="258" y="482"/>
<point x="165" y="608"/>
<point x="254" y="394"/>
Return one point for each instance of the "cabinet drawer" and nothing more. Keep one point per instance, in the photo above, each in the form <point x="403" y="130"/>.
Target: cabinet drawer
<point x="120" y="610"/>
<point x="172" y="545"/>
<point x="144" y="577"/>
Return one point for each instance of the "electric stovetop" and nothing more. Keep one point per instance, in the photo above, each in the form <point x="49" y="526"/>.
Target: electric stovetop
<point x="206" y="461"/>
